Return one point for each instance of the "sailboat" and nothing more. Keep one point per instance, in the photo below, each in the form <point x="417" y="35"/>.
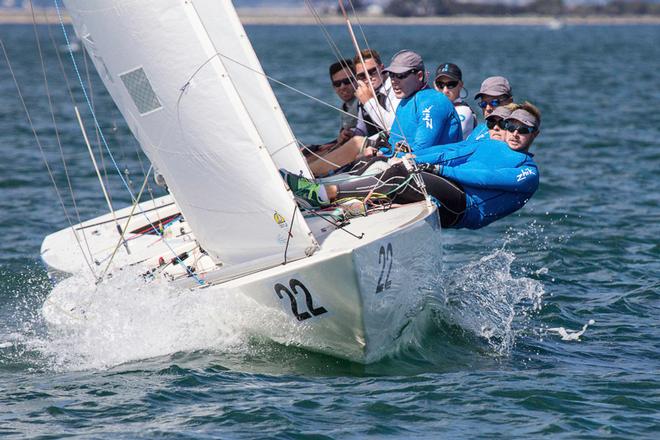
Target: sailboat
<point x="191" y="89"/>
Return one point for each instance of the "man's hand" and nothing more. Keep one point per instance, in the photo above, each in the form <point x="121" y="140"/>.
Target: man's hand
<point x="363" y="92"/>
<point x="371" y="152"/>
<point x="408" y="161"/>
<point x="344" y="135"/>
<point x="402" y="147"/>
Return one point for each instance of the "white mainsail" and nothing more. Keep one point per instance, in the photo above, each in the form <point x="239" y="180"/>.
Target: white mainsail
<point x="197" y="119"/>
<point x="224" y="29"/>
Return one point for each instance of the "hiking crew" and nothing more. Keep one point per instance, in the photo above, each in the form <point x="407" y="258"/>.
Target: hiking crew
<point x="449" y="81"/>
<point x="473" y="183"/>
<point x="495" y="91"/>
<point x="424" y="117"/>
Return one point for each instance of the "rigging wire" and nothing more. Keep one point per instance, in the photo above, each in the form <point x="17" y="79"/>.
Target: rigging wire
<point x="75" y="104"/>
<point x="41" y="150"/>
<point x="379" y="109"/>
<point x="88" y="100"/>
<point x="271" y="78"/>
<point x="96" y="130"/>
<point x="57" y="132"/>
<point x="418" y="179"/>
<point x="105" y="143"/>
<point x="123" y="230"/>
<point x="333" y="46"/>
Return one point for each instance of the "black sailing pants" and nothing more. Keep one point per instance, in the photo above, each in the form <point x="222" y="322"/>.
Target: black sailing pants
<point x="396" y="183"/>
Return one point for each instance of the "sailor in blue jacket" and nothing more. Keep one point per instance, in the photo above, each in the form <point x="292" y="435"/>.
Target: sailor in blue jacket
<point x="496" y="179"/>
<point x="495" y="92"/>
<point x="473" y="184"/>
<point x="424" y="117"/>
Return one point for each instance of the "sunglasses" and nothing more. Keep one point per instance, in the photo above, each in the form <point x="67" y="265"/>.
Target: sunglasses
<point x="521" y="129"/>
<point x="493" y="103"/>
<point x="372" y="73"/>
<point x="449" y="84"/>
<point x="403" y="75"/>
<point x="492" y="123"/>
<point x="341" y="82"/>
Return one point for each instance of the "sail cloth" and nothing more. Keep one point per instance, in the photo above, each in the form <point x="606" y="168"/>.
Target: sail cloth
<point x="198" y="121"/>
<point x="234" y="48"/>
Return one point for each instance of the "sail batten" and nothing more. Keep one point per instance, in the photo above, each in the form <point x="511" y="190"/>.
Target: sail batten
<point x="191" y="115"/>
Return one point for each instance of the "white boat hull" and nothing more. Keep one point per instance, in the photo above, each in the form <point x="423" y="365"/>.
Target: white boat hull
<point x="352" y="303"/>
<point x="351" y="299"/>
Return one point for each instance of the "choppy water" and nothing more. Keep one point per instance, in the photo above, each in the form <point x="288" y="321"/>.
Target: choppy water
<point x="487" y="362"/>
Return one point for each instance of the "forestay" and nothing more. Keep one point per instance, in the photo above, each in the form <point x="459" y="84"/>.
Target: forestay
<point x="197" y="119"/>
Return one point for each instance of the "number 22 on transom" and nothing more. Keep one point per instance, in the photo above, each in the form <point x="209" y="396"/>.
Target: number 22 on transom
<point x="385" y="258"/>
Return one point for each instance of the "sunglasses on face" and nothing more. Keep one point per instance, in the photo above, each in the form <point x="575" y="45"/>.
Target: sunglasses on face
<point x="403" y="75"/>
<point x="372" y="72"/>
<point x="493" y="122"/>
<point x="341" y="82"/>
<point x="492" y="103"/>
<point x="449" y="84"/>
<point x="520" y="128"/>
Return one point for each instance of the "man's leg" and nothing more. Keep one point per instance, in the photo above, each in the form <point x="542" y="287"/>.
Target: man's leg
<point x="394" y="183"/>
<point x="450" y="195"/>
<point x="338" y="157"/>
<point x="397" y="184"/>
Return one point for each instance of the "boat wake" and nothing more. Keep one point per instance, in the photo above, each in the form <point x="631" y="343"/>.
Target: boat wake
<point x="486" y="300"/>
<point x="125" y="320"/>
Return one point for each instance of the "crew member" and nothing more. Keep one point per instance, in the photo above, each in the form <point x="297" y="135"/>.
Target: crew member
<point x="473" y="185"/>
<point x="495" y="91"/>
<point x="449" y="81"/>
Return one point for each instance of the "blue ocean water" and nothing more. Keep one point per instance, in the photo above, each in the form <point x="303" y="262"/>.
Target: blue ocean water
<point x="491" y="360"/>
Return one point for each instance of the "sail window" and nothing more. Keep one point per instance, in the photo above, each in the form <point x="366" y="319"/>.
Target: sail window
<point x="140" y="89"/>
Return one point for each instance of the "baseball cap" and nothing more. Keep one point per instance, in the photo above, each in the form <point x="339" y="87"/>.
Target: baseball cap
<point x="404" y="61"/>
<point x="523" y="116"/>
<point x="450" y="71"/>
<point x="500" y="111"/>
<point x="494" y="86"/>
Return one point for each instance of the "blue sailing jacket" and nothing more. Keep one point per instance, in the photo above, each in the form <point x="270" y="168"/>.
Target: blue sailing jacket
<point x="423" y="120"/>
<point x="480" y="132"/>
<point x="497" y="180"/>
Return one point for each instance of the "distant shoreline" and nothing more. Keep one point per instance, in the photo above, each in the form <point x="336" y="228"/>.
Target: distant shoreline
<point x="296" y="17"/>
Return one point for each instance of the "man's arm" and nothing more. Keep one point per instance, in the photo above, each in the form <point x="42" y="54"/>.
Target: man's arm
<point x="480" y="132"/>
<point x="449" y="154"/>
<point x="383" y="116"/>
<point x="433" y="119"/>
<point x="524" y="178"/>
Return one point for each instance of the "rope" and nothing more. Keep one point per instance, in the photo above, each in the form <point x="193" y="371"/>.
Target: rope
<point x="289" y="235"/>
<point x="57" y="133"/>
<point x="41" y="150"/>
<point x="123" y="230"/>
<point x="88" y="100"/>
<point x="337" y="225"/>
<point x="102" y="136"/>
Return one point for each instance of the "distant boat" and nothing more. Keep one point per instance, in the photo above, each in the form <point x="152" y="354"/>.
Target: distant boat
<point x="187" y="81"/>
<point x="555" y="24"/>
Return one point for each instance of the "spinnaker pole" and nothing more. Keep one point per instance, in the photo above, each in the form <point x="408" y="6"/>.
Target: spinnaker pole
<point x="98" y="174"/>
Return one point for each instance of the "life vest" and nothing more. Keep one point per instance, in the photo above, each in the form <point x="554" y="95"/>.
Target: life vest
<point x="474" y="116"/>
<point x="372" y="127"/>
